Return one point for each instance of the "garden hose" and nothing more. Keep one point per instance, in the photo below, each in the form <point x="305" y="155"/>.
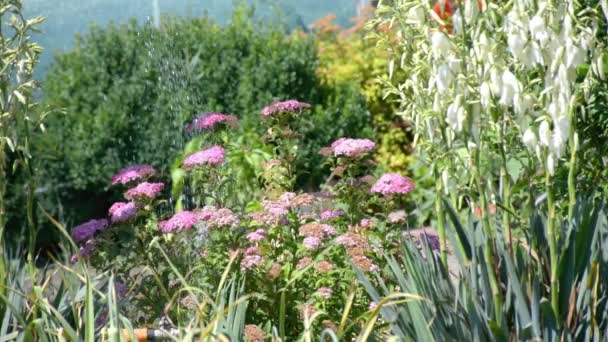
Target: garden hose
<point x="149" y="335"/>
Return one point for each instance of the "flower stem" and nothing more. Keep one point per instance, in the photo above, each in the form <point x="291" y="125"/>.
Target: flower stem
<point x="489" y="244"/>
<point x="505" y="186"/>
<point x="552" y="236"/>
<point x="573" y="141"/>
<point x="440" y="218"/>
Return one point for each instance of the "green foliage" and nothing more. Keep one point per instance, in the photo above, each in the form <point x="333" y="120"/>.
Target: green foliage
<point x="458" y="300"/>
<point x="349" y="58"/>
<point x="127" y="92"/>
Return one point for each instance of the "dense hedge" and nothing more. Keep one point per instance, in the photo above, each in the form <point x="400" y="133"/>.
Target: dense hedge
<point x="127" y="91"/>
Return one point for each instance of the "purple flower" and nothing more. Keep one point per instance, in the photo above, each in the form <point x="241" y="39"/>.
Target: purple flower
<point x="251" y="261"/>
<point x="252" y="250"/>
<point x="210" y="156"/>
<point x="182" y="220"/>
<point x="372" y="305"/>
<point x="145" y="190"/>
<point x="325" y="292"/>
<point x="312" y="242"/>
<point x="289" y="106"/>
<point x="393" y="183"/>
<point x="84" y="251"/>
<point x="206" y="121"/>
<point x="133" y="173"/>
<point x="123" y="211"/>
<point x="331" y="214"/>
<point x="426" y="235"/>
<point x="352" y="147"/>
<point x="258" y="235"/>
<point x="88" y="229"/>
<point x="365" y="223"/>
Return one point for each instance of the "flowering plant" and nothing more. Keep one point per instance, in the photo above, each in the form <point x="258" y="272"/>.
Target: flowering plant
<point x="495" y="92"/>
<point x="295" y="249"/>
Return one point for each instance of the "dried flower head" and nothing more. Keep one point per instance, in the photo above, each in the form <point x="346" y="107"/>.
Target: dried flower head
<point x="84" y="251"/>
<point x="274" y="271"/>
<point x="364" y="263"/>
<point x="425" y="235"/>
<point x="290" y="106"/>
<point x="329" y="324"/>
<point x="87" y="230"/>
<point x="353" y="240"/>
<point x="211" y="156"/>
<point x="133" y="173"/>
<point x="393" y="183"/>
<point x="318" y="230"/>
<point x="397" y="216"/>
<point x="324" y="266"/>
<point x="303" y="262"/>
<point x="253" y="333"/>
<point x="144" y="190"/>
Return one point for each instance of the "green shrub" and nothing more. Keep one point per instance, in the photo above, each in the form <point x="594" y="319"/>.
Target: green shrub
<point x="127" y="92"/>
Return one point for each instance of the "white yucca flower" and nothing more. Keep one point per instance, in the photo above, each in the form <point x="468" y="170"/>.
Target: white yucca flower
<point x="560" y="136"/>
<point x="485" y="95"/>
<point x="544" y="133"/>
<point x="483" y="47"/>
<point x="443" y="78"/>
<point x="529" y="139"/>
<point x="575" y="55"/>
<point x="440" y="43"/>
<point x="496" y="81"/>
<point x="415" y="15"/>
<point x="510" y="88"/>
<point x="539" y="30"/>
<point x="522" y="103"/>
<point x="456" y="116"/>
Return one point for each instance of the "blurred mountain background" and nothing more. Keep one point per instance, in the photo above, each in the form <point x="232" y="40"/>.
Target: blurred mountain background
<point x="67" y="18"/>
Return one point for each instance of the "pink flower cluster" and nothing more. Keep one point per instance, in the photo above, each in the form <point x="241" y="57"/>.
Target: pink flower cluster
<point x="87" y="230"/>
<point x="312" y="242"/>
<point x="144" y="190"/>
<point x="123" y="211"/>
<point x="180" y="221"/>
<point x="327" y="215"/>
<point x="252" y="259"/>
<point x="206" y="121"/>
<point x="210" y="156"/>
<point x="133" y="173"/>
<point x="258" y="235"/>
<point x="352" y="147"/>
<point x="290" y="106"/>
<point x="325" y="292"/>
<point x="217" y="218"/>
<point x="287" y="201"/>
<point x="393" y="183"/>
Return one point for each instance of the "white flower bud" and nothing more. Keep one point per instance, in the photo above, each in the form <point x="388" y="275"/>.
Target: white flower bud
<point x="529" y="140"/>
<point x="551" y="164"/>
<point x="444" y="179"/>
<point x="457" y="23"/>
<point x="522" y="103"/>
<point x="482" y="47"/>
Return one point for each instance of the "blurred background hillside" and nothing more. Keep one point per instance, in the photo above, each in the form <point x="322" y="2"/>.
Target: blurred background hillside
<point x="67" y="18"/>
